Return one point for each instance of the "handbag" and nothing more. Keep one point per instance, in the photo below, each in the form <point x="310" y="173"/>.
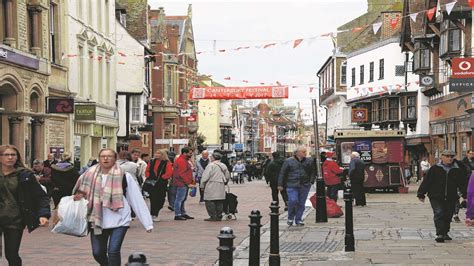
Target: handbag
<point x="149" y="185"/>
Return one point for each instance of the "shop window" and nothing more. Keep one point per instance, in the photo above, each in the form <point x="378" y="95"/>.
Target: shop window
<point x="411" y="107"/>
<point x="375" y="111"/>
<point x="383" y="116"/>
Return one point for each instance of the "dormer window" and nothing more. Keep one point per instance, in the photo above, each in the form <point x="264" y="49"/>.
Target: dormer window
<point x="344" y="73"/>
<point x="422" y="57"/>
<point x="450" y="39"/>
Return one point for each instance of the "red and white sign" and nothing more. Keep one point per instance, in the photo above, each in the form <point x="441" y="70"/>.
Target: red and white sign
<point x="259" y="92"/>
<point x="463" y="67"/>
<point x="360" y="115"/>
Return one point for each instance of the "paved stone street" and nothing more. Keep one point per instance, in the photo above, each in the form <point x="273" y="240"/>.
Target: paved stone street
<point x="171" y="243"/>
<point x="392" y="229"/>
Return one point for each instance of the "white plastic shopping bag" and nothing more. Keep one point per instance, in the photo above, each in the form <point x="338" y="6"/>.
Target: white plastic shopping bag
<point x="72" y="217"/>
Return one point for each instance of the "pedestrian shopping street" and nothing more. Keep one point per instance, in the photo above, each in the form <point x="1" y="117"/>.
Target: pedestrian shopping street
<point x="393" y="229"/>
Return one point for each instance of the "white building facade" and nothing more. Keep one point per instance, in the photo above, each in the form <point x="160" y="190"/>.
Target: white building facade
<point x="91" y="61"/>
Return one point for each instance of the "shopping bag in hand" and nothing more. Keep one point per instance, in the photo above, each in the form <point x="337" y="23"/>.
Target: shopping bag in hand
<point x="72" y="217"/>
<point x="192" y="191"/>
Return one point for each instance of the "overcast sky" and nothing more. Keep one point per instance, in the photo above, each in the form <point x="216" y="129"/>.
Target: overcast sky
<point x="228" y="25"/>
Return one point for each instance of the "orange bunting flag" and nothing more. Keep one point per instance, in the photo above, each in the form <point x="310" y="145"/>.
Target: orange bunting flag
<point x="297" y="42"/>
<point x="71" y="55"/>
<point x="122" y="54"/>
<point x="268" y="45"/>
<point x="121" y="63"/>
<point x="311" y="89"/>
<point x="246" y="81"/>
<point x="262" y="83"/>
<point x="371" y="89"/>
<point x="385" y="88"/>
<point x="357" y="29"/>
<point x="227" y="78"/>
<point x="99" y="57"/>
<point x="471" y="3"/>
<point x="394" y="22"/>
<point x="278" y="83"/>
<point x="326" y="34"/>
<point x="380" y="93"/>
<point x="222" y="51"/>
<point x="430" y="13"/>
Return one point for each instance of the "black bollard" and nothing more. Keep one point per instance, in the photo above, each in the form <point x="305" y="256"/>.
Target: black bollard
<point x="226" y="246"/>
<point x="349" y="237"/>
<point x="321" y="212"/>
<point x="254" y="252"/>
<point x="137" y="259"/>
<point x="274" y="259"/>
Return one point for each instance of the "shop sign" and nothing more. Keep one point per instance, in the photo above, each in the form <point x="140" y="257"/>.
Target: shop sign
<point x="364" y="148"/>
<point x="360" y="115"/>
<point x="60" y="105"/>
<point x="84" y="112"/>
<point x="462" y="78"/>
<point x="192" y="118"/>
<point x="98" y="130"/>
<point x="19" y="59"/>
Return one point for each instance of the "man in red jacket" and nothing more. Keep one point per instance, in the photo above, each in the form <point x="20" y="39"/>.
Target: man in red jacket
<point x="182" y="178"/>
<point x="331" y="170"/>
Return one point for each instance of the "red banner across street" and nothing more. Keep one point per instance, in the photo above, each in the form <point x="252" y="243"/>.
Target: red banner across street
<point x="260" y="92"/>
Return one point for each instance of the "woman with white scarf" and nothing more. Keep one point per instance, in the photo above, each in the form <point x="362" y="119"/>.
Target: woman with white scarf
<point x="213" y="181"/>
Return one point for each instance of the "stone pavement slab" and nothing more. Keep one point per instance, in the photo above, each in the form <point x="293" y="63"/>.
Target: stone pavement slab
<point x="191" y="242"/>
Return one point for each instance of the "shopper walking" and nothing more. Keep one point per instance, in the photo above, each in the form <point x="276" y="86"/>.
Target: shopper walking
<point x="331" y="172"/>
<point x="201" y="166"/>
<point x="214" y="179"/>
<point x="271" y="174"/>
<point x="64" y="176"/>
<point x="111" y="193"/>
<point x="159" y="170"/>
<point x="441" y="183"/>
<point x="182" y="178"/>
<point x="356" y="176"/>
<point x="24" y="202"/>
<point x="297" y="174"/>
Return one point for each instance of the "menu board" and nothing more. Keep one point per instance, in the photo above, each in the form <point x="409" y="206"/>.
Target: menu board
<point x="379" y="152"/>
<point x="346" y="150"/>
<point x="364" y="148"/>
<point x="395" y="151"/>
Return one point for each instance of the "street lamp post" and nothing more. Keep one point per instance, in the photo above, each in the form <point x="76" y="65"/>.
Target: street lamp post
<point x="321" y="214"/>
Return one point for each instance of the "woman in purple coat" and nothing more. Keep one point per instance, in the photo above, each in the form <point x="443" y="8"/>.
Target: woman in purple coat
<point x="470" y="202"/>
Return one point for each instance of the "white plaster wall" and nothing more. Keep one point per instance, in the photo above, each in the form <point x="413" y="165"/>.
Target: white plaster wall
<point x="122" y="114"/>
<point x="130" y="69"/>
<point x="391" y="53"/>
<point x="226" y="112"/>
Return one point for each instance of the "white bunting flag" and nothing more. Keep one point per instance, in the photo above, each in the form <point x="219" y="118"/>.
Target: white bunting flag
<point x="450" y="6"/>
<point x="376" y="27"/>
<point x="413" y="16"/>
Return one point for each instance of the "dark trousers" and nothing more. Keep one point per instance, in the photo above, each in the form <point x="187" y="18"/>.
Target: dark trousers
<point x="332" y="191"/>
<point x="57" y="195"/>
<point x="171" y="196"/>
<point x="157" y="197"/>
<point x="442" y="214"/>
<point x="106" y="246"/>
<point x="359" y="194"/>
<point x="12" y="245"/>
<point x="275" y="191"/>
<point x="215" y="208"/>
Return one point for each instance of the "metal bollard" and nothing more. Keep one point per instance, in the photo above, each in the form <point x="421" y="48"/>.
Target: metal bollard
<point x="254" y="250"/>
<point x="226" y="246"/>
<point x="274" y="259"/>
<point x="349" y="237"/>
<point x="321" y="211"/>
<point x="137" y="259"/>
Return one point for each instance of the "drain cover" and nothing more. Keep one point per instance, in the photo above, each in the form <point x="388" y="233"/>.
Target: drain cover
<point x="309" y="246"/>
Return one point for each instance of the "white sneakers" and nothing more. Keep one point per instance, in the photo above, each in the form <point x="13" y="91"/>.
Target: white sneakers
<point x="155" y="219"/>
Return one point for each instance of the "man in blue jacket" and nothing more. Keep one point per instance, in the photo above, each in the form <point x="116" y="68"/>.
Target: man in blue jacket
<point x="297" y="174"/>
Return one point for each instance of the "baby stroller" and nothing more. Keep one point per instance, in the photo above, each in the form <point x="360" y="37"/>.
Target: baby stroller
<point x="230" y="206"/>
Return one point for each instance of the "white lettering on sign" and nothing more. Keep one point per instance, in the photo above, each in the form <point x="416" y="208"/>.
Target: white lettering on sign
<point x="3" y="53"/>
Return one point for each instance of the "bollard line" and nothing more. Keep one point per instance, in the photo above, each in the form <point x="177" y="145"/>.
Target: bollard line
<point x="254" y="249"/>
<point x="274" y="259"/>
<point x="349" y="236"/>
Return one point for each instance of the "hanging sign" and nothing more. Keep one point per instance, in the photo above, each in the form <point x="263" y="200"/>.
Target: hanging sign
<point x="84" y="112"/>
<point x="360" y="115"/>
<point x="462" y="78"/>
<point x="259" y="92"/>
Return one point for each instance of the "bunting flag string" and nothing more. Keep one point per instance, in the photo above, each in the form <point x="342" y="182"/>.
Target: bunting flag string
<point x="394" y="22"/>
<point x="380" y="90"/>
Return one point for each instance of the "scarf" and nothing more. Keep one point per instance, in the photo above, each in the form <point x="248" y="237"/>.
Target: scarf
<point x="203" y="163"/>
<point x="111" y="196"/>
